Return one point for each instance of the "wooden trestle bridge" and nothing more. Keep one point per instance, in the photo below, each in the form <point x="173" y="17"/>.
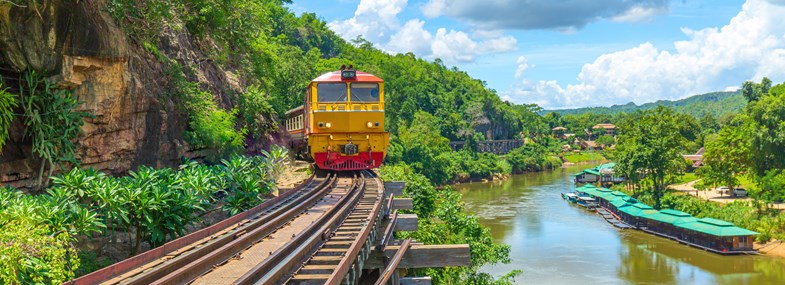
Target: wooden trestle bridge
<point x="335" y="228"/>
<point x="495" y="146"/>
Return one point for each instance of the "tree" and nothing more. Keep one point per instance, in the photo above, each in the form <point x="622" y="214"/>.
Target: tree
<point x="753" y="91"/>
<point x="605" y="140"/>
<point x="768" y="138"/>
<point x="726" y="157"/>
<point x="649" y="143"/>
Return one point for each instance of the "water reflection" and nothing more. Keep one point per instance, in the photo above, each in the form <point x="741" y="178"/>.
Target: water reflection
<point x="558" y="243"/>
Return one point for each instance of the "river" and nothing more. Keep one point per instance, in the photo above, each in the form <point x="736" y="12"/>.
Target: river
<point x="555" y="242"/>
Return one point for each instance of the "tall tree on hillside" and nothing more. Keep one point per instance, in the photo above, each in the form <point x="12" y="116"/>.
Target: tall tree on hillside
<point x="767" y="115"/>
<point x="726" y="157"/>
<point x="753" y="91"/>
<point x="649" y="143"/>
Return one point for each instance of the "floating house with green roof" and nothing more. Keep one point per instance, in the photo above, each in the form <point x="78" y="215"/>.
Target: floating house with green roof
<point x="603" y="173"/>
<point x="709" y="234"/>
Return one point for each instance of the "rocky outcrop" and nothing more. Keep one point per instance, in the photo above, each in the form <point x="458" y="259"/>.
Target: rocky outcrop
<point x="79" y="46"/>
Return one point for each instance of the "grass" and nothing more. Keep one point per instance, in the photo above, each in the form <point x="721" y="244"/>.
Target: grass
<point x="685" y="177"/>
<point x="578" y="157"/>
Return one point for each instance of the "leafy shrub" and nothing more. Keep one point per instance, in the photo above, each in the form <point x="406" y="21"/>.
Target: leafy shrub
<point x="443" y="221"/>
<point x="253" y="106"/>
<point x="7" y="104"/>
<point x="32" y="254"/>
<point x="215" y="130"/>
<point x="51" y="120"/>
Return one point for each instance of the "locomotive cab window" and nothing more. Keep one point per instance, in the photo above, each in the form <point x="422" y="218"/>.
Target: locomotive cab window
<point x="331" y="92"/>
<point x="365" y="92"/>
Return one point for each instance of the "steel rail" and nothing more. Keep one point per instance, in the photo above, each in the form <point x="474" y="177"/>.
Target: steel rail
<point x="255" y="215"/>
<point x="360" y="240"/>
<point x="388" y="233"/>
<point x="206" y="262"/>
<point x="394" y="261"/>
<point x="279" y="266"/>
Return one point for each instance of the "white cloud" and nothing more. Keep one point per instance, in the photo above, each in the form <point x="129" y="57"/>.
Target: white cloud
<point x="373" y="20"/>
<point x="523" y="66"/>
<point x="639" y="14"/>
<point x="377" y="21"/>
<point x="411" y="38"/>
<point x="433" y="8"/>
<point x="750" y="46"/>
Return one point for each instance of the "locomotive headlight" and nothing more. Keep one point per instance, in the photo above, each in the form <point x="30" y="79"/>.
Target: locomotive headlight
<point x="321" y="125"/>
<point x="369" y="124"/>
<point x="327" y="125"/>
<point x="376" y="124"/>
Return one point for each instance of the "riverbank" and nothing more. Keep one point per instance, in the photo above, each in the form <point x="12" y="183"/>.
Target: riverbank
<point x="555" y="242"/>
<point x="772" y="248"/>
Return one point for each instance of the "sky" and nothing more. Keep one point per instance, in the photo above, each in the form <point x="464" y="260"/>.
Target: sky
<point x="578" y="53"/>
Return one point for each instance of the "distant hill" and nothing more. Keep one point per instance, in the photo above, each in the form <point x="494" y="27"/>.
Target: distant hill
<point x="715" y="103"/>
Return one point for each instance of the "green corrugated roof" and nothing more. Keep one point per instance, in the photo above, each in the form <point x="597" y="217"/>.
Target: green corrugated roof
<point x="619" y="194"/>
<point x="671" y="217"/>
<point x="676" y="213"/>
<point x="638" y="210"/>
<point x="618" y="201"/>
<point x="604" y="190"/>
<point x="715" y="227"/>
<point x="587" y="190"/>
<point x="591" y="171"/>
<point x="607" y="165"/>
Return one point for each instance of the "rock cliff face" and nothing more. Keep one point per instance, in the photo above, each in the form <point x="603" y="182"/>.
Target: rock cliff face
<point x="79" y="46"/>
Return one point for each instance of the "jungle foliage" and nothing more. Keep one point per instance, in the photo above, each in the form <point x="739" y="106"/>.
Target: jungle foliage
<point x="443" y="220"/>
<point x="150" y="206"/>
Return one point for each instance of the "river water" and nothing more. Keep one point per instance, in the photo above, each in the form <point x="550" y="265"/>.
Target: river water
<point x="555" y="242"/>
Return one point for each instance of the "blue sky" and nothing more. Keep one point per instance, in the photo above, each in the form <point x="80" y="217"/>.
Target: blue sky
<point x="577" y="53"/>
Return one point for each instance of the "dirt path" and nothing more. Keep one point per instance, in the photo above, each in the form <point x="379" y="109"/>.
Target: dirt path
<point x="712" y="195"/>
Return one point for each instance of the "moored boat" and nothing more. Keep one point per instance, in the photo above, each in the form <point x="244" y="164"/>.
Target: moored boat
<point x="570" y="196"/>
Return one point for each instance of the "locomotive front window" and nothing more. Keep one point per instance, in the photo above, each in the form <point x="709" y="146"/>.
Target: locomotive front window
<point x="365" y="92"/>
<point x="331" y="92"/>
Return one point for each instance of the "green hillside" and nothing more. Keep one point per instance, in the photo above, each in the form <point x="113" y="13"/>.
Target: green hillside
<point x="715" y="103"/>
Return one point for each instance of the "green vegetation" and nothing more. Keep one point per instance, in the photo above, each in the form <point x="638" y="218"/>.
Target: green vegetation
<point x="650" y="145"/>
<point x="443" y="221"/>
<point x="151" y="206"/>
<point x="725" y="158"/>
<point x="755" y="216"/>
<point x="7" y="104"/>
<point x="31" y="254"/>
<point x="584" y="156"/>
<point x="745" y="149"/>
<point x="51" y="120"/>
<point x="716" y="104"/>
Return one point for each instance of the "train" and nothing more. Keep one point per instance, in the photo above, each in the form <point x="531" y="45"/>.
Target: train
<point x="340" y="126"/>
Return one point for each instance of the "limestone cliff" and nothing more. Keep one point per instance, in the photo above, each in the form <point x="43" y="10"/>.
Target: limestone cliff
<point x="79" y="46"/>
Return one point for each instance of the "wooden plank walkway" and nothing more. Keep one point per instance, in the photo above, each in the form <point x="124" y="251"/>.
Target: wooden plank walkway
<point x="612" y="219"/>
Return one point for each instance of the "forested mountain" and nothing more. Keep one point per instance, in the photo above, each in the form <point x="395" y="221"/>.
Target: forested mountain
<point x="131" y="85"/>
<point x="715" y="103"/>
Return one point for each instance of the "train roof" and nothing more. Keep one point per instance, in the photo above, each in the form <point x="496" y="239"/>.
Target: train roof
<point x="335" y="76"/>
<point x="295" y="110"/>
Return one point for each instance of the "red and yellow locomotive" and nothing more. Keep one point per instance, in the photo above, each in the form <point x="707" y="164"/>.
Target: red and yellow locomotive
<point x="341" y="124"/>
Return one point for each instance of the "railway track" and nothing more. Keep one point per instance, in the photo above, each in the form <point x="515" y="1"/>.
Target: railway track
<point x="318" y="234"/>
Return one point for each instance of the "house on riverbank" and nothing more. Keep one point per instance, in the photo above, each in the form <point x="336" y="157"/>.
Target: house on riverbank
<point x="604" y="174"/>
<point x="709" y="234"/>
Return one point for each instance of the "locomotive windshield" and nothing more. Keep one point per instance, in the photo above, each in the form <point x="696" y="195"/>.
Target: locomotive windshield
<point x="331" y="92"/>
<point x="365" y="92"/>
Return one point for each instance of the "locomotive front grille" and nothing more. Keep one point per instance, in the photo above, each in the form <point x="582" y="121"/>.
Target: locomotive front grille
<point x="349" y="149"/>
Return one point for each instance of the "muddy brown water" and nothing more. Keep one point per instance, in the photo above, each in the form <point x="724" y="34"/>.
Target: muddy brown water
<point x="555" y="242"/>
